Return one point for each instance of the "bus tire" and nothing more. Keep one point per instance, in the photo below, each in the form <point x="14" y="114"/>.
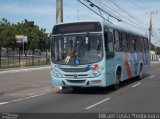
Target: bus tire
<point x="140" y="75"/>
<point x="117" y="84"/>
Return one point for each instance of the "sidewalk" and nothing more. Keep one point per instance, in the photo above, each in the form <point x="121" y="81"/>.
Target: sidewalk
<point x="22" y="69"/>
<point x="154" y="62"/>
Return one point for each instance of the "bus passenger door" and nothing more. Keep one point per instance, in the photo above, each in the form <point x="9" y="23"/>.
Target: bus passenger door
<point x="109" y="51"/>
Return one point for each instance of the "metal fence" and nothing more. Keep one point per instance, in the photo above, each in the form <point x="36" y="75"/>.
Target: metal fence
<point x="155" y="57"/>
<point x="10" y="58"/>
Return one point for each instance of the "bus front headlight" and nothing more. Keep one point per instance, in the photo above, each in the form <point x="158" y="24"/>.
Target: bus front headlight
<point x="55" y="73"/>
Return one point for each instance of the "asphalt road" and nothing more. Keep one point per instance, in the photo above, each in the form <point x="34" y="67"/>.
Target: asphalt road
<point x="133" y="96"/>
<point x="21" y="83"/>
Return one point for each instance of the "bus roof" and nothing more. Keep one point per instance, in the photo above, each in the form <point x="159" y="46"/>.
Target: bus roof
<point x="124" y="28"/>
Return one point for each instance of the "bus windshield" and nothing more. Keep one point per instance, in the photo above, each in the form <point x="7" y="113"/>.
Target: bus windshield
<point x="77" y="49"/>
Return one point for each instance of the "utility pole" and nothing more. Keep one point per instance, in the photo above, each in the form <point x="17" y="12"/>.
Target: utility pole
<point x="78" y="14"/>
<point x="150" y="28"/>
<point x="59" y="11"/>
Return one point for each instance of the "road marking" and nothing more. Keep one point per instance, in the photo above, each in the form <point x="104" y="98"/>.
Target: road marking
<point x="152" y="76"/>
<point x="26" y="98"/>
<point x="2" y="103"/>
<point x="97" y="103"/>
<point x="16" y="100"/>
<point x="136" y="85"/>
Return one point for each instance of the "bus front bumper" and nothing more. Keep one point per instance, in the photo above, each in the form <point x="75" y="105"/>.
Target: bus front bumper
<point x="79" y="82"/>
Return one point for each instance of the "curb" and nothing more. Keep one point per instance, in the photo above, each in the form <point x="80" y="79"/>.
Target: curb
<point x="23" y="69"/>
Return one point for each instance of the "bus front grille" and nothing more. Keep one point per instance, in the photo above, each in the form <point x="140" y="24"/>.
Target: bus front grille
<point x="78" y="75"/>
<point x="76" y="81"/>
<point x="74" y="69"/>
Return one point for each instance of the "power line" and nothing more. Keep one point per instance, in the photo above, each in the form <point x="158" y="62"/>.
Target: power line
<point x="103" y="4"/>
<point x="104" y="11"/>
<point x="110" y="11"/>
<point x="102" y="8"/>
<point x="93" y="10"/>
<point x="155" y="34"/>
<point x="124" y="19"/>
<point x="130" y="15"/>
<point x="149" y="5"/>
<point x="152" y="9"/>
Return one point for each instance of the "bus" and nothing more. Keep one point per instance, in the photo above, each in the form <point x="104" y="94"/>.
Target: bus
<point x="97" y="54"/>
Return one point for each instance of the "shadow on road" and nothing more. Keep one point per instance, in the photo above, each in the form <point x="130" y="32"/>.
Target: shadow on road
<point x="100" y="90"/>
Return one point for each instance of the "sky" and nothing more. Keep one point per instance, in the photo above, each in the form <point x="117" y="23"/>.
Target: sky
<point x="43" y="12"/>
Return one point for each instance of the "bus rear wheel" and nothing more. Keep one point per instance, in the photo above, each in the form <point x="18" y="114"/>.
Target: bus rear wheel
<point x="140" y="76"/>
<point x="117" y="84"/>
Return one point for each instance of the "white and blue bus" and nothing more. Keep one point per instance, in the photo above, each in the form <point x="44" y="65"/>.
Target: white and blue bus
<point x="97" y="54"/>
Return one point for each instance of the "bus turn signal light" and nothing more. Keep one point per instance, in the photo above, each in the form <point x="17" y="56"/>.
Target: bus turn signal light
<point x="96" y="81"/>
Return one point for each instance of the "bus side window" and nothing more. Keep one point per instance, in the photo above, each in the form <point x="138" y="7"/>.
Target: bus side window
<point x="124" y="41"/>
<point x="108" y="41"/>
<point x="147" y="45"/>
<point x="131" y="43"/>
<point x="141" y="44"/>
<point x="135" y="43"/>
<point x="138" y="45"/>
<point x="116" y="41"/>
<point x="146" y="48"/>
<point x="128" y="42"/>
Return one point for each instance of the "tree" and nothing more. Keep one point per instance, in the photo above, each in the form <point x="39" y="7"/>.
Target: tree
<point x="36" y="36"/>
<point x="152" y="47"/>
<point x="158" y="50"/>
<point x="6" y="33"/>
